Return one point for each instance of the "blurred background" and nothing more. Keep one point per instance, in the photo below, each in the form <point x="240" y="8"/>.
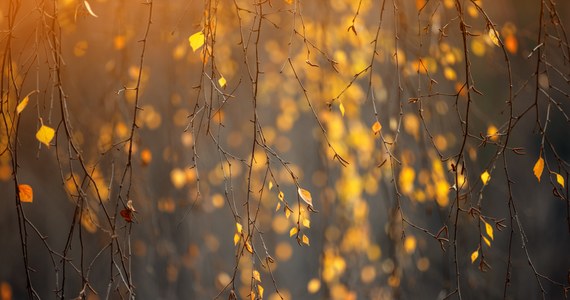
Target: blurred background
<point x="241" y="104"/>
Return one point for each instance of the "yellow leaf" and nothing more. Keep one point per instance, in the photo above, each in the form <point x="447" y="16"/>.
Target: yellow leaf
<point x="22" y="105"/>
<point x="270" y="185"/>
<point x="538" y="168"/>
<point x="89" y="10"/>
<point x="280" y="196"/>
<point x="307" y="223"/>
<point x="293" y="231"/>
<point x="239" y="228"/>
<point x="305" y="240"/>
<point x="485" y="177"/>
<point x="489" y="230"/>
<point x="341" y="107"/>
<point x="278" y="206"/>
<point x="493" y="133"/>
<point x="236" y="238"/>
<point x="248" y="247"/>
<point x="487" y="241"/>
<point x="306" y="196"/>
<point x="222" y="81"/>
<point x="559" y="179"/>
<point x="493" y="35"/>
<point x="314" y="285"/>
<point x="287" y="213"/>
<point x="256" y="275"/>
<point x="410" y="244"/>
<point x="197" y="40"/>
<point x="45" y="134"/>
<point x="474" y="255"/>
<point x="376" y="127"/>
<point x="26" y="193"/>
<point x="260" y="291"/>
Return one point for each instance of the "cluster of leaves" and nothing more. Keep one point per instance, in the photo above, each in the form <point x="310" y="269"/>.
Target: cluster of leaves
<point x="356" y="145"/>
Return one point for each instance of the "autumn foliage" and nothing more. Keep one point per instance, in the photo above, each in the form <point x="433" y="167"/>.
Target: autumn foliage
<point x="284" y="149"/>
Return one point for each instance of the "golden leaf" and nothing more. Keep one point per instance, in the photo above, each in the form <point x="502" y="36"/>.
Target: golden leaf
<point x="239" y="228"/>
<point x="489" y="230"/>
<point x="474" y="255"/>
<point x="306" y="196"/>
<point x="293" y="231"/>
<point x="260" y="291"/>
<point x="89" y="10"/>
<point x="486" y="240"/>
<point x="236" y="238"/>
<point x="341" y="107"/>
<point x="256" y="275"/>
<point x="278" y="206"/>
<point x="248" y="247"/>
<point x="538" y="168"/>
<point x="287" y="213"/>
<point x="376" y="127"/>
<point x="45" y="134"/>
<point x="26" y="193"/>
<point x="305" y="240"/>
<point x="222" y="82"/>
<point x="197" y="40"/>
<point x="485" y="177"/>
<point x="280" y="196"/>
<point x="493" y="35"/>
<point x="270" y="185"/>
<point x="559" y="179"/>
<point x="307" y="223"/>
<point x="22" y="105"/>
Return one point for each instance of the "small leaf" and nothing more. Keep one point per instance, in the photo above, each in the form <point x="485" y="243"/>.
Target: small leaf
<point x="89" y="10"/>
<point x="280" y="196"/>
<point x="307" y="223"/>
<point x="22" y="105"/>
<point x="474" y="255"/>
<point x="376" y="127"/>
<point x="486" y="240"/>
<point x="237" y="237"/>
<point x="559" y="179"/>
<point x="270" y="185"/>
<point x="305" y="240"/>
<point x="493" y="35"/>
<point x="256" y="275"/>
<point x="485" y="177"/>
<point x="341" y="107"/>
<point x="248" y="247"/>
<point x="287" y="213"/>
<point x="260" y="291"/>
<point x="293" y="231"/>
<point x="538" y="168"/>
<point x="222" y="82"/>
<point x="306" y="196"/>
<point x="489" y="230"/>
<point x="127" y="214"/>
<point x="26" y="193"/>
<point x="45" y="134"/>
<point x="239" y="228"/>
<point x="197" y="40"/>
<point x="278" y="206"/>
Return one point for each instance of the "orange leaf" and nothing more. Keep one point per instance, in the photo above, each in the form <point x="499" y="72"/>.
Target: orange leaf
<point x="22" y="105"/>
<point x="26" y="193"/>
<point x="376" y="127"/>
<point x="538" y="167"/>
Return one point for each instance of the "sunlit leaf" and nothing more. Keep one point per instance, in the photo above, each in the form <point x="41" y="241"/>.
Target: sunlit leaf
<point x="376" y="127"/>
<point x="278" y="206"/>
<point x="89" y="10"/>
<point x="493" y="133"/>
<point x="485" y="177"/>
<point x="248" y="247"/>
<point x="280" y="196"/>
<point x="493" y="35"/>
<point x="410" y="244"/>
<point x="305" y="240"/>
<point x="237" y="237"/>
<point x="341" y="108"/>
<point x="256" y="275"/>
<point x="26" y="193"/>
<point x="474" y="255"/>
<point x="260" y="291"/>
<point x="222" y="82"/>
<point x="538" y="168"/>
<point x="307" y="223"/>
<point x="239" y="228"/>
<point x="270" y="185"/>
<point x="197" y="40"/>
<point x="287" y="213"/>
<point x="486" y="240"/>
<point x="489" y="230"/>
<point x="293" y="231"/>
<point x="559" y="179"/>
<point x="22" y="105"/>
<point x="306" y="196"/>
<point x="45" y="134"/>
